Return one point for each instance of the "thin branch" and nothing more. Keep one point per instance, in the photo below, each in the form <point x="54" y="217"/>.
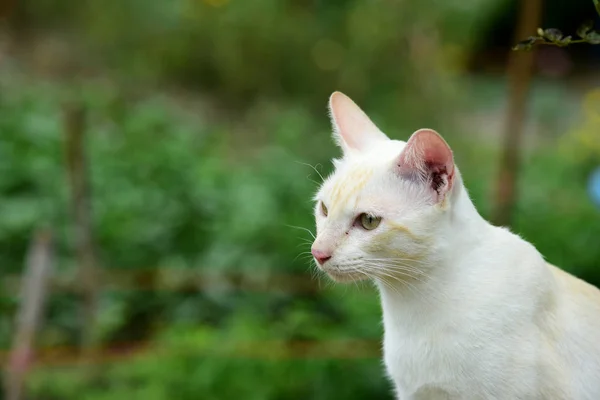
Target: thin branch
<point x="34" y="289"/>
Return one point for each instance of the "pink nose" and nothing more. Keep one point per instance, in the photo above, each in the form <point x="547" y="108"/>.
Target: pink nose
<point x="321" y="256"/>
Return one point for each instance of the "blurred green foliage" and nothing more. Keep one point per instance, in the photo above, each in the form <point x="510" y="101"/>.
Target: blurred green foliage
<point x="241" y="52"/>
<point x="220" y="191"/>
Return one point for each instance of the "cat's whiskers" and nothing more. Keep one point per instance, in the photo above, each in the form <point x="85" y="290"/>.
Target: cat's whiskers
<point x="387" y="279"/>
<point x="392" y="273"/>
<point x="317" y="273"/>
<point x="312" y="180"/>
<point x="314" y="168"/>
<point x="305" y="242"/>
<point x="386" y="274"/>
<point x="398" y="259"/>
<point x="427" y="295"/>
<point x="403" y="275"/>
<point x="304" y="255"/>
<point x="398" y="267"/>
<point x="405" y="267"/>
<point x="355" y="281"/>
<point x="391" y="267"/>
<point x="393" y="288"/>
<point x="303" y="229"/>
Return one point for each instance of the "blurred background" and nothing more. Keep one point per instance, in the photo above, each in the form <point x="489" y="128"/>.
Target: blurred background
<point x="158" y="160"/>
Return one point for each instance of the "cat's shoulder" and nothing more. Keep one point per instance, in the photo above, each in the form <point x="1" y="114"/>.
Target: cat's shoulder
<point x="512" y="249"/>
<point x="575" y="287"/>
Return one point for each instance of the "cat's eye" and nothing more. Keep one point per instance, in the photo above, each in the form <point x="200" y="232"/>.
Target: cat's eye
<point x="323" y="209"/>
<point x="368" y="221"/>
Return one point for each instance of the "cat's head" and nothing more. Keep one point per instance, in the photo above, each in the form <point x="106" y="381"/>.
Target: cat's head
<point x="387" y="203"/>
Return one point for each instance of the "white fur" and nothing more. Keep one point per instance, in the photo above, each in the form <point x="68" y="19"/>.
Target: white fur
<point x="471" y="311"/>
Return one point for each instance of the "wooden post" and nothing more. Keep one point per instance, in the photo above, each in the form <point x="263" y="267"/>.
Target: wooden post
<point x="34" y="287"/>
<point x="520" y="70"/>
<point x="74" y="120"/>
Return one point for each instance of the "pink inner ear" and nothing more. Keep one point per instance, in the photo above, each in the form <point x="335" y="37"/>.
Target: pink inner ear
<point x="352" y="126"/>
<point x="428" y="155"/>
<point x="426" y="148"/>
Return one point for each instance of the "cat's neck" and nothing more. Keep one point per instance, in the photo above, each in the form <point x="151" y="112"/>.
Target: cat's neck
<point x="464" y="233"/>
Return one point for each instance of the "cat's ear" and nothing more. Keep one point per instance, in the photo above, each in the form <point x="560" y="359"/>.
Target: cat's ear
<point x="427" y="158"/>
<point x="352" y="129"/>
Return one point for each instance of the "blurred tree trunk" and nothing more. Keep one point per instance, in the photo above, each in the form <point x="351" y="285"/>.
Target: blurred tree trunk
<point x="15" y="15"/>
<point x="74" y="119"/>
<point x="520" y="70"/>
<point x="7" y="10"/>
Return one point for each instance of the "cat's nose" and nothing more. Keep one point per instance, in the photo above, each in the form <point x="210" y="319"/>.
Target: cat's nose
<point x="320" y="255"/>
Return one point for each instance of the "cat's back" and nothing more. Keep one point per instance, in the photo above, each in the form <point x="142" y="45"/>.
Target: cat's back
<point x="580" y="305"/>
<point x="577" y="291"/>
<point x="579" y="337"/>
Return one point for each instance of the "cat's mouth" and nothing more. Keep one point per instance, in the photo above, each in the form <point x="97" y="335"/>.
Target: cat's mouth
<point x="343" y="276"/>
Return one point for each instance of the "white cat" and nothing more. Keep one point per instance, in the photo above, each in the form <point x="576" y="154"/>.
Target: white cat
<point x="471" y="311"/>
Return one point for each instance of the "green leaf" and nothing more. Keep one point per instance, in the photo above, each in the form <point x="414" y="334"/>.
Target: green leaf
<point x="553" y="34"/>
<point x="526" y="44"/>
<point x="583" y="30"/>
<point x="565" y="41"/>
<point x="593" y="37"/>
<point x="597" y="5"/>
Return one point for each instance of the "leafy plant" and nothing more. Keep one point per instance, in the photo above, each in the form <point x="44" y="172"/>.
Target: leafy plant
<point x="555" y="37"/>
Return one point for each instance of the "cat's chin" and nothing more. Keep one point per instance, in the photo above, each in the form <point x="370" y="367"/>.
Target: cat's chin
<point x="344" y="277"/>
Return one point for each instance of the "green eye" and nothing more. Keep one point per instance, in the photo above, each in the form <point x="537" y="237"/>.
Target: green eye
<point x="368" y="221"/>
<point x="323" y="209"/>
